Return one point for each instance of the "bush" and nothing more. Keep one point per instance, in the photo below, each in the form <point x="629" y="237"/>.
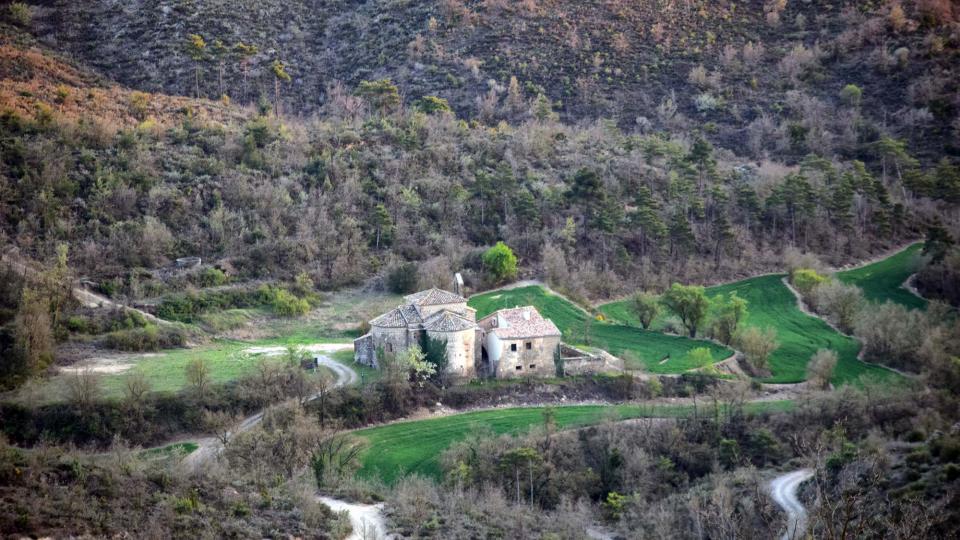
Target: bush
<point x="851" y="95"/>
<point x="433" y="104"/>
<point x="757" y="345"/>
<point x="820" y="368"/>
<point x="209" y="277"/>
<point x="20" y="13"/>
<point x="805" y="280"/>
<point x="891" y="334"/>
<point x="147" y="338"/>
<point x="838" y="302"/>
<point x="283" y="302"/>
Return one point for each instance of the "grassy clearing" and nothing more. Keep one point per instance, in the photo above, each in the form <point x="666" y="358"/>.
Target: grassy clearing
<point x="651" y="351"/>
<point x="882" y="281"/>
<point x="415" y="446"/>
<point x="772" y="304"/>
<point x="165" y="371"/>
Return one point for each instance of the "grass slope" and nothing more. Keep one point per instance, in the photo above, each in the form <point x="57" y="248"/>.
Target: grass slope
<point x="882" y="281"/>
<point x="772" y="304"/>
<point x="415" y="447"/>
<point x="648" y="348"/>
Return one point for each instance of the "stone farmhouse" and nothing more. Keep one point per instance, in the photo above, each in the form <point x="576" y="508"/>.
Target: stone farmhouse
<point x="507" y="343"/>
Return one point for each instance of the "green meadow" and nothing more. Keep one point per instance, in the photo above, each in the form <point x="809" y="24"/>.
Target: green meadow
<point x="166" y="371"/>
<point x="401" y="448"/>
<point x="883" y="280"/>
<point x="654" y="352"/>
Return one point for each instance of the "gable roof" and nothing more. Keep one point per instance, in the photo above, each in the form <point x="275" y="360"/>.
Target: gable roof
<point x="447" y="321"/>
<point x="433" y="297"/>
<point x="518" y="323"/>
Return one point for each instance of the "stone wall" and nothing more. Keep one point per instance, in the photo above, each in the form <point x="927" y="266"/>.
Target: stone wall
<point x="577" y="362"/>
<point x="461" y="352"/>
<point x="392" y="340"/>
<point x="532" y="357"/>
<point x="364" y="353"/>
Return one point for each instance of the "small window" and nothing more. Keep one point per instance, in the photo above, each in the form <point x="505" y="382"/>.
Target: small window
<point x="519" y="368"/>
<point x="529" y="345"/>
<point x="533" y="366"/>
<point x="513" y="347"/>
<point x="389" y="347"/>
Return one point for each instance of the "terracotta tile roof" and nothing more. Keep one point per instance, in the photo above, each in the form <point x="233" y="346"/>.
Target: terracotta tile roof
<point x="447" y="321"/>
<point x="432" y="297"/>
<point x="519" y="323"/>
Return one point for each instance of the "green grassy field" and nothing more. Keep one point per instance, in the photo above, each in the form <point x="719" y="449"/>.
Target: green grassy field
<point x="800" y="335"/>
<point x="165" y="371"/>
<point x="883" y="280"/>
<point x="651" y="351"/>
<point x="415" y="446"/>
<point x="772" y="304"/>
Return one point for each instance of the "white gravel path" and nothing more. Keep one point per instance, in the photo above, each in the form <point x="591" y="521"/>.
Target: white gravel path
<point x="367" y="519"/>
<point x="783" y="489"/>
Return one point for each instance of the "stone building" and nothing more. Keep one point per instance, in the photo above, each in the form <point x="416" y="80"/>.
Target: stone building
<point x="519" y="342"/>
<point x="515" y="342"/>
<point x="439" y="314"/>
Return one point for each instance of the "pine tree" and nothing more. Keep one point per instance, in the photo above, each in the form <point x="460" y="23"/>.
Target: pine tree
<point x="219" y="52"/>
<point x="245" y="54"/>
<point x="197" y="49"/>
<point x="280" y="75"/>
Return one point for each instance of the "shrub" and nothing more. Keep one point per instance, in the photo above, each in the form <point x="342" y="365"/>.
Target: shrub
<point x="706" y="102"/>
<point x="700" y="357"/>
<point x="139" y="103"/>
<point x="820" y="368"/>
<point x="838" y="302"/>
<point x="757" y="345"/>
<point x="805" y="280"/>
<point x="402" y="278"/>
<point x="210" y="277"/>
<point x="891" y="334"/>
<point x="283" y="302"/>
<point x="147" y="338"/>
<point x="851" y="95"/>
<point x="433" y="104"/>
<point x="20" y="13"/>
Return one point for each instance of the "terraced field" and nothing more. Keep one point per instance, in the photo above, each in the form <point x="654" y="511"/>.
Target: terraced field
<point x="772" y="304"/>
<point x="651" y="351"/>
<point x="415" y="446"/>
<point x="882" y="281"/>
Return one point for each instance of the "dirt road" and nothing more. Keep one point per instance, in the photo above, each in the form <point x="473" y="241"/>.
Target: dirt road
<point x="209" y="447"/>
<point x="783" y="489"/>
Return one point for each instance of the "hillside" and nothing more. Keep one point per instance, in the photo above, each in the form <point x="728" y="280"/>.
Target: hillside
<point x="768" y="74"/>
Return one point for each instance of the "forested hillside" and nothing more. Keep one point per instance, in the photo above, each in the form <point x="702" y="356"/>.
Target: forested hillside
<point x="370" y="181"/>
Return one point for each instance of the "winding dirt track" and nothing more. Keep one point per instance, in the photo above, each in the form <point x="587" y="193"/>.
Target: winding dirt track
<point x="783" y="489"/>
<point x="209" y="447"/>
